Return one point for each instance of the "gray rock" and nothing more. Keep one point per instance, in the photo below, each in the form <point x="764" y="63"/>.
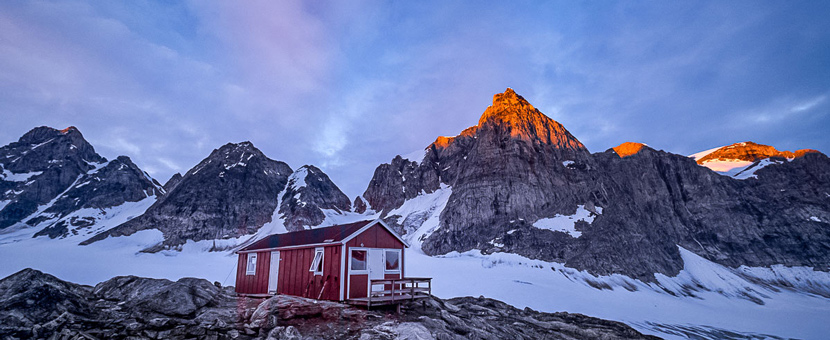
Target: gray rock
<point x="37" y="305"/>
<point x="181" y="298"/>
<point x="229" y="194"/>
<point x="60" y="168"/>
<point x="53" y="160"/>
<point x="518" y="166"/>
<point x="309" y="191"/>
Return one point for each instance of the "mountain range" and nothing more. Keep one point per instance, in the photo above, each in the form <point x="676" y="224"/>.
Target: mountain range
<point x="517" y="182"/>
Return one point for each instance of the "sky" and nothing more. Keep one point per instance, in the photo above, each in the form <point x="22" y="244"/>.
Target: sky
<point x="347" y="85"/>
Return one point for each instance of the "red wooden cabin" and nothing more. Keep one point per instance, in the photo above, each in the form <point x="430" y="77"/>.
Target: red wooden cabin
<point x="332" y="263"/>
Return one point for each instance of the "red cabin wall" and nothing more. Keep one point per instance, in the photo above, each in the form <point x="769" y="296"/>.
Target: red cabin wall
<point x="375" y="237"/>
<point x="296" y="279"/>
<point x="257" y="283"/>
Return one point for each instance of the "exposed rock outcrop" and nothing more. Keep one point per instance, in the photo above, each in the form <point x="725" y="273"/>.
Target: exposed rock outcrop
<point x="234" y="192"/>
<point x="41" y="165"/>
<point x="50" y="174"/>
<point x="518" y="167"/>
<point x="309" y="191"/>
<point x="38" y="305"/>
<point x="230" y="193"/>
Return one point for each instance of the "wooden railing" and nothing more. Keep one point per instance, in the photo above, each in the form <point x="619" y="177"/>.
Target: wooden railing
<point x="396" y="290"/>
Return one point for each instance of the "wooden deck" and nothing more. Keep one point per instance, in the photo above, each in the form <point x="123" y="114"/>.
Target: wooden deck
<point x="394" y="291"/>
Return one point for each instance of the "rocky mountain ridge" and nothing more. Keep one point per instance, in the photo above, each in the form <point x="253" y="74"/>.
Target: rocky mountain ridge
<point x="750" y="152"/>
<point x="507" y="187"/>
<point x="231" y="194"/>
<point x="54" y="180"/>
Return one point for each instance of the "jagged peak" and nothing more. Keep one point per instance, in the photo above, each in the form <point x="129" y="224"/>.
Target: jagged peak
<point x="751" y="152"/>
<point x="300" y="177"/>
<point x="70" y="129"/>
<point x="511" y="113"/>
<point x="39" y="135"/>
<point x="628" y="148"/>
<point x="509" y="106"/>
<point x="236" y="152"/>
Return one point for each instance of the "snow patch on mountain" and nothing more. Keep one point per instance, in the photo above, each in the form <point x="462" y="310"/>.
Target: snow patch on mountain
<point x="419" y="216"/>
<point x="567" y="223"/>
<point x="297" y="179"/>
<point x="749" y="171"/>
<point x="702" y="154"/>
<point x="94" y="222"/>
<point x="21" y="177"/>
<point x="334" y="217"/>
<point x="740" y="169"/>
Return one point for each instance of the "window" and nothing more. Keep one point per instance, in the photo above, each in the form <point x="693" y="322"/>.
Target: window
<point x="393" y="260"/>
<point x="250" y="269"/>
<point x="358" y="262"/>
<point x="317" y="264"/>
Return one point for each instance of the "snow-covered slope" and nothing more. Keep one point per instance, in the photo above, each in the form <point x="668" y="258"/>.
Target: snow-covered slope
<point x="705" y="301"/>
<point x="742" y="160"/>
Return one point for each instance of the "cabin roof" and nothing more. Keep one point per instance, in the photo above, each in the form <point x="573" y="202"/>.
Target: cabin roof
<point x="332" y="234"/>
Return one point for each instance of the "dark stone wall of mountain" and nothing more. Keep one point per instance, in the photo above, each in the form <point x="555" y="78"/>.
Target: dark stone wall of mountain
<point x="60" y="168"/>
<point x="230" y="193"/>
<point x="173" y="182"/>
<point x="53" y="158"/>
<point x="309" y="190"/>
<point x="119" y="181"/>
<point x="505" y="175"/>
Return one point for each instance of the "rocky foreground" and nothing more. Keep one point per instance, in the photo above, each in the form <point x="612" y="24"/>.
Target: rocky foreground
<point x="34" y="305"/>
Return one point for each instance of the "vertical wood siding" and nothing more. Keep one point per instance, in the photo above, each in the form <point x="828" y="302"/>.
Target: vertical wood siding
<point x="257" y="283"/>
<point x="296" y="279"/>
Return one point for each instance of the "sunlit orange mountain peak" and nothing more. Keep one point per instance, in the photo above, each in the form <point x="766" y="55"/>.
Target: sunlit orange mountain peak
<point x="750" y="152"/>
<point x="511" y="114"/>
<point x="628" y="148"/>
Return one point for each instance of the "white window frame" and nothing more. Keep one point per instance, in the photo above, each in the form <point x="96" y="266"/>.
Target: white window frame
<point x="400" y="261"/>
<point x="250" y="264"/>
<point x="318" y="262"/>
<point x="366" y="261"/>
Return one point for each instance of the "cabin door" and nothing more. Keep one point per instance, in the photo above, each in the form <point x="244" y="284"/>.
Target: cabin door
<point x="376" y="267"/>
<point x="273" y="275"/>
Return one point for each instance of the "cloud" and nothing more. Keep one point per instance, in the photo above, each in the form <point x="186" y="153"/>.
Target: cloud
<point x="349" y="85"/>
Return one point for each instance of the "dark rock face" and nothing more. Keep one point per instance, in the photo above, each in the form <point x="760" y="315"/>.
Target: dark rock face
<point x="173" y="182"/>
<point x="41" y="298"/>
<point x="517" y="167"/>
<point x="230" y="193"/>
<point x="234" y="192"/>
<point x="359" y="205"/>
<point x="37" y="305"/>
<point x="156" y="296"/>
<point x="309" y="191"/>
<point x="59" y="167"/>
<point x="53" y="160"/>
